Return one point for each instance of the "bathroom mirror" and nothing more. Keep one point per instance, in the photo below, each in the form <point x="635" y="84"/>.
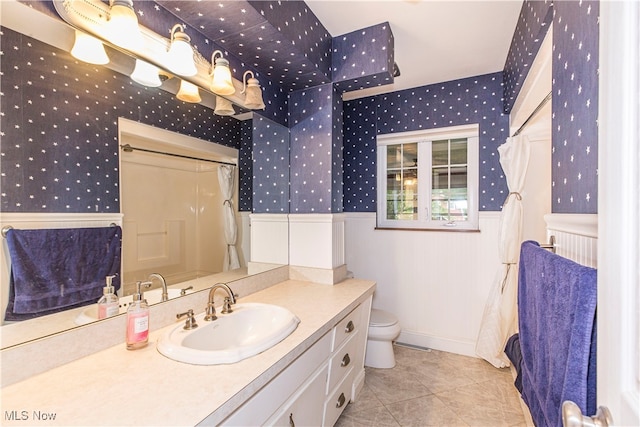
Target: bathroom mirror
<point x="24" y="20"/>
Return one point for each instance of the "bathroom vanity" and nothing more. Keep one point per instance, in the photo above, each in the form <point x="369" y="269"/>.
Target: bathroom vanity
<point x="308" y="378"/>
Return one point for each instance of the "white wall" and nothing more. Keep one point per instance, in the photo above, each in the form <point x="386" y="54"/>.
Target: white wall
<point x="435" y="282"/>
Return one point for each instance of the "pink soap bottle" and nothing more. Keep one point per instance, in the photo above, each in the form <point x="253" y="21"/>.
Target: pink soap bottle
<point x="138" y="319"/>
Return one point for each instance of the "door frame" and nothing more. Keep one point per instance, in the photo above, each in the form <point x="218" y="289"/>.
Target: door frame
<point x="618" y="207"/>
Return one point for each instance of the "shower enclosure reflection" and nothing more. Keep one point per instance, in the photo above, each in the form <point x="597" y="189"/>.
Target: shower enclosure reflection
<point x="172" y="205"/>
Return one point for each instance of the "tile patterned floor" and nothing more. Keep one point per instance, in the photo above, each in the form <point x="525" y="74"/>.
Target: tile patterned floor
<point x="435" y="388"/>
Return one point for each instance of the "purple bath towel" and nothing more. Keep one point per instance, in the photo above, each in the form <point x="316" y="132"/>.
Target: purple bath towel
<point x="57" y="269"/>
<point x="557" y="318"/>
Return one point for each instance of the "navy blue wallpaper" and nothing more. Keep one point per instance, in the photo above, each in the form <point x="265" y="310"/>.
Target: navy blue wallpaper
<point x="270" y="166"/>
<point x="245" y="166"/>
<point x="533" y="24"/>
<point x="315" y="138"/>
<point x="59" y="148"/>
<point x="466" y="101"/>
<point x="363" y="58"/>
<point x="575" y="107"/>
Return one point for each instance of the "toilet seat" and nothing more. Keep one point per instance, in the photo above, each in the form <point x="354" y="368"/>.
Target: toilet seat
<point x="380" y="318"/>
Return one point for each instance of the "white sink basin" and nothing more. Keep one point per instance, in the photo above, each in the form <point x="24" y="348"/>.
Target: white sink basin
<point x="90" y="312"/>
<point x="250" y="329"/>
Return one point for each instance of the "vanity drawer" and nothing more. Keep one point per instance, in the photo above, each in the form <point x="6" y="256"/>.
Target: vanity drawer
<point x="342" y="361"/>
<point x="338" y="400"/>
<point x="347" y="327"/>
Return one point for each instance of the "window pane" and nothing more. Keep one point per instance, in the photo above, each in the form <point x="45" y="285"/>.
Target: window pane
<point x="394" y="156"/>
<point x="459" y="177"/>
<point x="440" y="152"/>
<point x="440" y="178"/>
<point x="410" y="155"/>
<point x="440" y="205"/>
<point x="459" y="151"/>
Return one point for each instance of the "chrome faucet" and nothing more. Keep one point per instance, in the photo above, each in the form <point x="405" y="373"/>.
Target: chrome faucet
<point x="165" y="294"/>
<point x="230" y="299"/>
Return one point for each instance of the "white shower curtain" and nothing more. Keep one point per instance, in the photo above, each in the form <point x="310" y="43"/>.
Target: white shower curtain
<point x="500" y="318"/>
<point x="226" y="179"/>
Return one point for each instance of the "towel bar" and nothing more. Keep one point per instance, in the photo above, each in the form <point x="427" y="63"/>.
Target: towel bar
<point x="551" y="245"/>
<point x="6" y="229"/>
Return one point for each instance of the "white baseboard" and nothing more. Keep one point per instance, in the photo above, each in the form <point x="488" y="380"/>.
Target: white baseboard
<point x="417" y="339"/>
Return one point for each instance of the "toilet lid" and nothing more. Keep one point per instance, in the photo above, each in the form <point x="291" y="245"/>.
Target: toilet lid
<point x="381" y="318"/>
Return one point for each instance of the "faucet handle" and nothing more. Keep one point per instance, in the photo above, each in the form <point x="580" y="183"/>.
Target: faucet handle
<point x="183" y="291"/>
<point x="226" y="306"/>
<point x="190" y="322"/>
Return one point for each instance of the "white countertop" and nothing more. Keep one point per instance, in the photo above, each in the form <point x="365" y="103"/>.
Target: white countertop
<point x="120" y="387"/>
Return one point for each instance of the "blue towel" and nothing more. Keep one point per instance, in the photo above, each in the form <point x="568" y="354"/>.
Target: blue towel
<point x="557" y="318"/>
<point x="56" y="269"/>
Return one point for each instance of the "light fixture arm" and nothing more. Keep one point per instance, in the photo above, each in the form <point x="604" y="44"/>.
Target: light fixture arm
<point x="181" y="35"/>
<point x="213" y="60"/>
<point x="244" y="80"/>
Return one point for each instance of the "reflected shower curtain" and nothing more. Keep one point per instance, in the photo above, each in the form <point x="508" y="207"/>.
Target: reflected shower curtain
<point x="500" y="318"/>
<point x="226" y="179"/>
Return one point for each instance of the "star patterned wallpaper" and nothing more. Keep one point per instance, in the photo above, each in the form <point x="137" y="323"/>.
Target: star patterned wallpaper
<point x="533" y="24"/>
<point x="270" y="166"/>
<point x="245" y="167"/>
<point x="363" y="58"/>
<point x="472" y="100"/>
<point x="316" y="141"/>
<point x="59" y="149"/>
<point x="575" y="107"/>
<point x="70" y="136"/>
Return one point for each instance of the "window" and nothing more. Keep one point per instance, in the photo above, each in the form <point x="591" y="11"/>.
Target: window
<point x="429" y="179"/>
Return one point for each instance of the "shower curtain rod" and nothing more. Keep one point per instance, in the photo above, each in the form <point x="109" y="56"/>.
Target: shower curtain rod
<point x="129" y="148"/>
<point x="533" y="113"/>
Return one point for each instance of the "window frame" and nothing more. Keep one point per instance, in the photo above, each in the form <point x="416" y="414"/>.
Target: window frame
<point x="424" y="138"/>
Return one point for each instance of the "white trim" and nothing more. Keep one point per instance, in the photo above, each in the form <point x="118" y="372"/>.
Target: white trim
<point x="448" y="132"/>
<point x="618" y="206"/>
<point x="580" y="224"/>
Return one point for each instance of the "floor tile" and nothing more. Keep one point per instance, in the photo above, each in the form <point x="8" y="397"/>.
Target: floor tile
<point x="435" y="388"/>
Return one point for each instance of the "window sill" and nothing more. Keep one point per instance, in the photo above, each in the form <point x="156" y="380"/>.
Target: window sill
<point x="443" y="229"/>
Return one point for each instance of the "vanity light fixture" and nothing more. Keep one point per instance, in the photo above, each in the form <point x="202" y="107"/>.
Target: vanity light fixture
<point x="89" y="49"/>
<point x="224" y="107"/>
<point x="188" y="92"/>
<point x="123" y="25"/>
<point x="146" y="74"/>
<point x="221" y="84"/>
<point x="253" y="98"/>
<point x="181" y="53"/>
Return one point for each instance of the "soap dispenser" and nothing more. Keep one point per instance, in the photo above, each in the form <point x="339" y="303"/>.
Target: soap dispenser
<point x="108" y="304"/>
<point x="138" y="319"/>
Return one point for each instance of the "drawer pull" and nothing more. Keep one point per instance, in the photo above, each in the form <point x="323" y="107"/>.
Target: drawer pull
<point x="345" y="360"/>
<point x="291" y="423"/>
<point x="341" y="401"/>
<point x="349" y="328"/>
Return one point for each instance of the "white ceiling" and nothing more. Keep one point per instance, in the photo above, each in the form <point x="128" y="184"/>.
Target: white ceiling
<point x="435" y="40"/>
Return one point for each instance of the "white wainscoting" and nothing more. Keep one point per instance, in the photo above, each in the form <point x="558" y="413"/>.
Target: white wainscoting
<point x="269" y="238"/>
<point x="436" y="283"/>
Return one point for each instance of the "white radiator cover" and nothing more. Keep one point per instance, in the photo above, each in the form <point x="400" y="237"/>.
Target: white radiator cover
<point x="576" y="236"/>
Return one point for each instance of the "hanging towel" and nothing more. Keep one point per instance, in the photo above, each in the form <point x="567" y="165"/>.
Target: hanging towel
<point x="56" y="269"/>
<point x="557" y="318"/>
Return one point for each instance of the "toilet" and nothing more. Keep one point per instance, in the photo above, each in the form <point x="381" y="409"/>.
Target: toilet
<point x="383" y="329"/>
